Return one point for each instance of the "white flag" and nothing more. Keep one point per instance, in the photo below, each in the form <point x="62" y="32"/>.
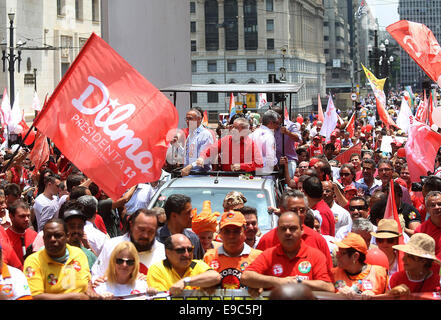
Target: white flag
<point x="36" y="105"/>
<point x="403" y="119"/>
<point x="330" y="120"/>
<point x="16" y="117"/>
<point x="6" y="109"/>
<point x="262" y="100"/>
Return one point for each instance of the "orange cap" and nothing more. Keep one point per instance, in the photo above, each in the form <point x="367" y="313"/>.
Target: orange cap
<point x="353" y="240"/>
<point x="232" y="218"/>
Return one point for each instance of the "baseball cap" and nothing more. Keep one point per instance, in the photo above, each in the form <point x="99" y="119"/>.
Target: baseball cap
<point x="401" y="153"/>
<point x="73" y="213"/>
<point x="232" y="218"/>
<point x="353" y="240"/>
<point x="350" y="187"/>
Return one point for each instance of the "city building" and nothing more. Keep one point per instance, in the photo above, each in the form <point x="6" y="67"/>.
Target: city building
<point x="50" y="34"/>
<point x="427" y="12"/>
<point x="250" y="41"/>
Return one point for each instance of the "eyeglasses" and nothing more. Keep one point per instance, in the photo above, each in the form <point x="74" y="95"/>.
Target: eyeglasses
<point x="183" y="250"/>
<point x="389" y="240"/>
<point x="359" y="208"/>
<point x="129" y="262"/>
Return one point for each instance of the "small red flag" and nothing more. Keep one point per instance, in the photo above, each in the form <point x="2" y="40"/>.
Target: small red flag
<point x="108" y="120"/>
<point x="320" y="116"/>
<point x="39" y="154"/>
<point x="345" y="156"/>
<point x="351" y="126"/>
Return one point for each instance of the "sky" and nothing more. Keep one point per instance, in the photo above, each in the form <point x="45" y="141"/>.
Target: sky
<point x="385" y="11"/>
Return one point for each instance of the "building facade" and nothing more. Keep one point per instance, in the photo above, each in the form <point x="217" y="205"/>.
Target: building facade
<point x="248" y="41"/>
<point x="427" y="12"/>
<point x="50" y="34"/>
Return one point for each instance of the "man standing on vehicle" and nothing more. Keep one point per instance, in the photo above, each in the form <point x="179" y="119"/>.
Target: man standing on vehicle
<point x="199" y="138"/>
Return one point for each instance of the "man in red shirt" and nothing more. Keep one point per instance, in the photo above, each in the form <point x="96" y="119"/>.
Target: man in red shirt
<point x="295" y="201"/>
<point x="236" y="152"/>
<point x="20" y="235"/>
<point x="290" y="261"/>
<point x="432" y="226"/>
<point x="314" y="192"/>
<point x="316" y="148"/>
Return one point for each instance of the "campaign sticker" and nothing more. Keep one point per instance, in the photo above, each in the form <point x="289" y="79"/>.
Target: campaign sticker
<point x="305" y="267"/>
<point x="277" y="269"/>
<point x="260" y="195"/>
<point x="162" y="198"/>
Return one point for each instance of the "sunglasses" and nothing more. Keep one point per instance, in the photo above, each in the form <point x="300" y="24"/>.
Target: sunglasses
<point x="129" y="262"/>
<point x="345" y="174"/>
<point x="353" y="208"/>
<point x="389" y="240"/>
<point x="183" y="250"/>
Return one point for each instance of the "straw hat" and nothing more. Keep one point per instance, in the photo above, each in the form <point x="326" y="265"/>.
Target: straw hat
<point x="387" y="228"/>
<point x="420" y="245"/>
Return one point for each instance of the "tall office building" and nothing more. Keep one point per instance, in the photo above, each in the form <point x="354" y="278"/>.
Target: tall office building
<point x="427" y="12"/>
<point x="246" y="41"/>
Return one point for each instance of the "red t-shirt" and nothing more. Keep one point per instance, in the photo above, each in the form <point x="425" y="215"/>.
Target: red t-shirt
<point x="431" y="284"/>
<point x="432" y="230"/>
<point x="15" y="240"/>
<point x="328" y="220"/>
<point x="315" y="151"/>
<point x="311" y="237"/>
<point x="99" y="222"/>
<point x="8" y="253"/>
<point x="308" y="264"/>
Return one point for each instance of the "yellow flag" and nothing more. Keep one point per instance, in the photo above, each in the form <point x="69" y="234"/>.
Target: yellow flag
<point x="378" y="83"/>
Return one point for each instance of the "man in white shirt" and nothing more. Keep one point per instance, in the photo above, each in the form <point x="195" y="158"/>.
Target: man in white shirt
<point x="143" y="225"/>
<point x="263" y="137"/>
<point x="95" y="237"/>
<point x="47" y="204"/>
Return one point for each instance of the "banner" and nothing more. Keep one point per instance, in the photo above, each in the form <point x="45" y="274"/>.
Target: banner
<point x="421" y="45"/>
<point x="107" y="119"/>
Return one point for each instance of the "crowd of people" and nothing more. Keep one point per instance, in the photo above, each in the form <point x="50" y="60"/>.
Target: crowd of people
<point x="62" y="237"/>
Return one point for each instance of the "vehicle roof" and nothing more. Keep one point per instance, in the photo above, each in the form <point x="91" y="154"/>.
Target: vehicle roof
<point x="235" y="87"/>
<point x="223" y="182"/>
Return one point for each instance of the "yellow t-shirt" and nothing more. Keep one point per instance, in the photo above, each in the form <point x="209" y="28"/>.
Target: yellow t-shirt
<point x="45" y="275"/>
<point x="161" y="275"/>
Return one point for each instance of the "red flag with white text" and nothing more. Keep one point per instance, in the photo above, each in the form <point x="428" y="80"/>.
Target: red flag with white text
<point x="421" y="112"/>
<point x="421" y="45"/>
<point x="108" y="120"/>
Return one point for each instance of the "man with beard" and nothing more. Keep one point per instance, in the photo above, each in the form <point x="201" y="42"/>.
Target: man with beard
<point x="75" y="221"/>
<point x="179" y="271"/>
<point x="143" y="225"/>
<point x="178" y="210"/>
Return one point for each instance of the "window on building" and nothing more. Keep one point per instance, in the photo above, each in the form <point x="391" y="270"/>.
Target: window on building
<point x="212" y="97"/>
<point x="194" y="97"/>
<point x="270" y="5"/>
<point x="270" y="65"/>
<point x="231" y="66"/>
<point x="192" y="7"/>
<point x="193" y="45"/>
<point x="250" y="24"/>
<point x="193" y="66"/>
<point x="270" y="25"/>
<point x="251" y="65"/>
<point x="270" y="44"/>
<point x="326" y="38"/>
<point x="79" y="9"/>
<point x="212" y="66"/>
<point x="231" y="24"/>
<point x="335" y="75"/>
<point x="193" y="26"/>
<point x="95" y="10"/>
<point x="61" y="7"/>
<point x="64" y="68"/>
<point x="211" y="25"/>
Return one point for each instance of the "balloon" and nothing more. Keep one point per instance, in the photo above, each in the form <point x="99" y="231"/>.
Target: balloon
<point x="299" y="119"/>
<point x="377" y="257"/>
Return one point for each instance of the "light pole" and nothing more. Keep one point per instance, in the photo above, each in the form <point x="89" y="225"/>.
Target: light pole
<point x="11" y="57"/>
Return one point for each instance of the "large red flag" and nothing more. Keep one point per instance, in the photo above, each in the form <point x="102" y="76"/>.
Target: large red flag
<point x="421" y="45"/>
<point x="421" y="148"/>
<point x="345" y="156"/>
<point x="391" y="212"/>
<point x="108" y="120"/>
<point x="40" y="152"/>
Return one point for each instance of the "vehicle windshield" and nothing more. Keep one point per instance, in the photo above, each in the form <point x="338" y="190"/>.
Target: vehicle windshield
<point x="258" y="199"/>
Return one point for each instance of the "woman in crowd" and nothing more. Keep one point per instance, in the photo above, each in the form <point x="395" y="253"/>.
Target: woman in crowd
<point x="353" y="276"/>
<point x="205" y="225"/>
<point x="417" y="276"/>
<point x="122" y="273"/>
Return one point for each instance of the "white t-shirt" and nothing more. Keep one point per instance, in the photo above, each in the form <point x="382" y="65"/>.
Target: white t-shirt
<point x="46" y="209"/>
<point x="146" y="258"/>
<point x="95" y="237"/>
<point x="343" y="221"/>
<point x="118" y="290"/>
<point x="15" y="285"/>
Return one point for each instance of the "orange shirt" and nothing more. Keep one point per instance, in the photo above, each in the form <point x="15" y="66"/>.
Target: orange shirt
<point x="230" y="268"/>
<point x="374" y="279"/>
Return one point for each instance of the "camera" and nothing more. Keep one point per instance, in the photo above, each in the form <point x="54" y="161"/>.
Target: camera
<point x="418" y="186"/>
